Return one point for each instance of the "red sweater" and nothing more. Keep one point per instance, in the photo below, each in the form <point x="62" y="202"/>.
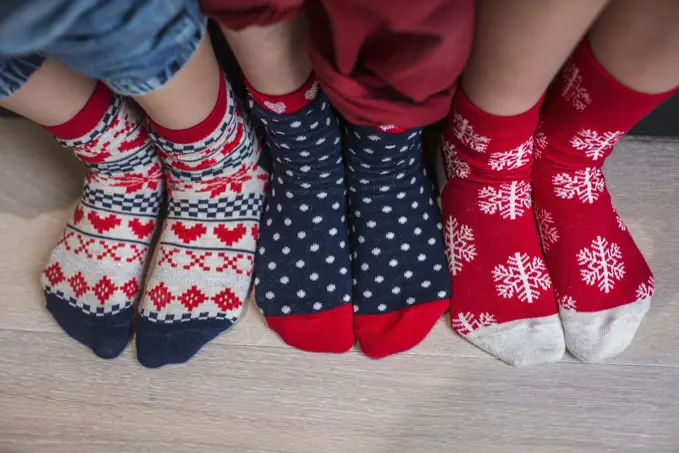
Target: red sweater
<point x="379" y="61"/>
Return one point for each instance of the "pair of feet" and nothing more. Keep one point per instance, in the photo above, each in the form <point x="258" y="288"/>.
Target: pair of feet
<point x="351" y="246"/>
<point x="540" y="259"/>
<point x="199" y="276"/>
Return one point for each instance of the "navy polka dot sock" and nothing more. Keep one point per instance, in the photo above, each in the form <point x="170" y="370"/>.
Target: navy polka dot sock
<point x="303" y="263"/>
<point x="401" y="280"/>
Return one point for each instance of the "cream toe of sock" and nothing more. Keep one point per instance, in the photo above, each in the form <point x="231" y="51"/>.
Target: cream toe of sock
<point x="597" y="336"/>
<point x="523" y="342"/>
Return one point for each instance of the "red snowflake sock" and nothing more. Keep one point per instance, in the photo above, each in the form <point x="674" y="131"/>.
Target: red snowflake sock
<point x="602" y="282"/>
<point x="502" y="295"/>
<point x="94" y="274"/>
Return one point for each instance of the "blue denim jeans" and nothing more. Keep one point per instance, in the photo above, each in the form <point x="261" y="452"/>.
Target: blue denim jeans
<point x="134" y="46"/>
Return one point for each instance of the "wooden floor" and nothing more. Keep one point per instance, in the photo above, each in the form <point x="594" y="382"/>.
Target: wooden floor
<point x="248" y="392"/>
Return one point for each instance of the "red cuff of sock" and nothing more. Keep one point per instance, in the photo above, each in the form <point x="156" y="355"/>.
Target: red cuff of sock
<point x="287" y="103"/>
<point x="624" y="102"/>
<point x="202" y="129"/>
<point x="87" y="118"/>
<point x="499" y="127"/>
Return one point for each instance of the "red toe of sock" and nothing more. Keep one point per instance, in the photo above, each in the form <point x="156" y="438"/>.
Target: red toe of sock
<point x="390" y="333"/>
<point x="326" y="331"/>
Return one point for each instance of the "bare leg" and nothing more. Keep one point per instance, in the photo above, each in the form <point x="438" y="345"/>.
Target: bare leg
<point x="273" y="58"/>
<point x="190" y="96"/>
<point x="518" y="48"/>
<point x="52" y="95"/>
<point x="637" y="41"/>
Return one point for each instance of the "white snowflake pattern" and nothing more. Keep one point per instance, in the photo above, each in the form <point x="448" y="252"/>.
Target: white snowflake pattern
<point x="540" y="145"/>
<point x="586" y="184"/>
<point x="572" y="89"/>
<point x="455" y="167"/>
<point x="595" y="144"/>
<point x="619" y="221"/>
<point x="510" y="200"/>
<point x="464" y="132"/>
<point x="460" y="247"/>
<point x="601" y="264"/>
<point x="566" y="302"/>
<point x="466" y="323"/>
<point x="548" y="232"/>
<point x="513" y="158"/>
<point x="521" y="276"/>
<point x="646" y="290"/>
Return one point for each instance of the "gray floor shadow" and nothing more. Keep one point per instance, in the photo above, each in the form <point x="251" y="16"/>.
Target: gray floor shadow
<point x="28" y="153"/>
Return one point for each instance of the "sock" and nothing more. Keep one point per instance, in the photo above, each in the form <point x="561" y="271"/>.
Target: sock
<point x="303" y="267"/>
<point x="503" y="301"/>
<point x="202" y="270"/>
<point x="401" y="287"/>
<point x="602" y="281"/>
<point x="94" y="273"/>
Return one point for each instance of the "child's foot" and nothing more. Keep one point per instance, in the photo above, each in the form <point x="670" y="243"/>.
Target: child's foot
<point x="204" y="260"/>
<point x="503" y="300"/>
<point x="94" y="274"/>
<point x="303" y="283"/>
<point x="401" y="286"/>
<point x="602" y="281"/>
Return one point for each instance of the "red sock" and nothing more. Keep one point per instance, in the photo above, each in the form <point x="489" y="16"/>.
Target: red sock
<point x="602" y="282"/>
<point x="502" y="294"/>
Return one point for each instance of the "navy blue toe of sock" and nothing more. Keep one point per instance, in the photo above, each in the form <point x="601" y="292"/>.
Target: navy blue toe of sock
<point x="107" y="335"/>
<point x="164" y="344"/>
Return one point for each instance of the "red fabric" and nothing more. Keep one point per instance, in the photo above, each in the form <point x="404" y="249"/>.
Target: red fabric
<point x="87" y="118"/>
<point x="491" y="237"/>
<point x="386" y="334"/>
<point x="239" y="14"/>
<point x="379" y="61"/>
<point x="202" y="129"/>
<point x="287" y="103"/>
<point x="327" y="331"/>
<point x="586" y="114"/>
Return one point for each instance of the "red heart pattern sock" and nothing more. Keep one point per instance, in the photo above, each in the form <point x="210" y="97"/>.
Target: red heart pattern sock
<point x="502" y="301"/>
<point x="201" y="273"/>
<point x="94" y="275"/>
<point x="602" y="282"/>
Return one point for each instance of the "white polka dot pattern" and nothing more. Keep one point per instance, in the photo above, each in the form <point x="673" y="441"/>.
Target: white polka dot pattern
<point x="302" y="261"/>
<point x="396" y="231"/>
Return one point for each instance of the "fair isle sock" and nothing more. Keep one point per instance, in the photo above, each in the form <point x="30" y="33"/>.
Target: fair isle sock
<point x="603" y="284"/>
<point x="401" y="281"/>
<point x="202" y="268"/>
<point x="94" y="275"/>
<point x="503" y="300"/>
<point x="303" y="266"/>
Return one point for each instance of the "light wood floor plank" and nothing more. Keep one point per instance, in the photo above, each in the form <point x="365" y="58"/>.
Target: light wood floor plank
<point x="263" y="399"/>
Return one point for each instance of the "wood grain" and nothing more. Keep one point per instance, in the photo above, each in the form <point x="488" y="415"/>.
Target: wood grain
<point x="248" y="392"/>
